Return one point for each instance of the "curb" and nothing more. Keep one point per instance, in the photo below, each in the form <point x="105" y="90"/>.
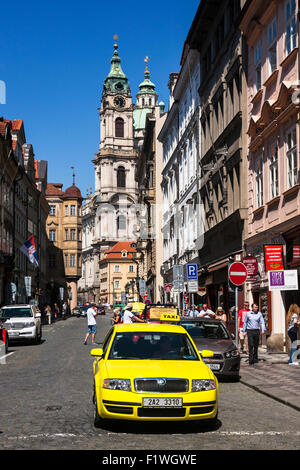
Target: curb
<point x="270" y="395"/>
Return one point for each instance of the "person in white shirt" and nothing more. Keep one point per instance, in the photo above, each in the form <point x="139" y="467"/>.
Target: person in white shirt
<point x="129" y="317"/>
<point x="92" y="324"/>
<point x="206" y="313"/>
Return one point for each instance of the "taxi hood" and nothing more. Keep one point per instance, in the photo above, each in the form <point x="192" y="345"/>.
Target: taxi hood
<point x="132" y="369"/>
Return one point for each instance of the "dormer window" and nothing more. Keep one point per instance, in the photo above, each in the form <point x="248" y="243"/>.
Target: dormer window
<point x="124" y="254"/>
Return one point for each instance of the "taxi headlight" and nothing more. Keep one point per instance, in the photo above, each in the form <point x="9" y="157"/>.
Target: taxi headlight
<point x="203" y="385"/>
<point x="117" y="384"/>
<point x="30" y="324"/>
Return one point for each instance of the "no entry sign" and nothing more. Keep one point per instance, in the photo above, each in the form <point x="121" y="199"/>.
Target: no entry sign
<point x="237" y="273"/>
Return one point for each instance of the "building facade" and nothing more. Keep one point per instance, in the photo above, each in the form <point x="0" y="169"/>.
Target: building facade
<point x="23" y="213"/>
<point x="223" y="151"/>
<point x="271" y="32"/>
<point x="180" y="137"/>
<point x="118" y="271"/>
<point x="148" y="175"/>
<point x="64" y="229"/>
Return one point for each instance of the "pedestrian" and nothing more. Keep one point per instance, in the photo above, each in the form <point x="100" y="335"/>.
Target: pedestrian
<point x="253" y="324"/>
<point x="221" y="315"/>
<point x="48" y="314"/>
<point x="206" y="312"/>
<point x="129" y="317"/>
<point x="56" y="311"/>
<point x="241" y="317"/>
<point x="192" y="312"/>
<point x="92" y="324"/>
<point x="116" y="316"/>
<point x="293" y="323"/>
<point x="64" y="310"/>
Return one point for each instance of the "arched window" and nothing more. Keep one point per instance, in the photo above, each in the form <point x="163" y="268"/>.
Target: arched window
<point x="119" y="127"/>
<point x="121" y="177"/>
<point x="121" y="222"/>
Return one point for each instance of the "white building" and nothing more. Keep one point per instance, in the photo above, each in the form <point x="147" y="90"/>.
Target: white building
<point x="180" y="136"/>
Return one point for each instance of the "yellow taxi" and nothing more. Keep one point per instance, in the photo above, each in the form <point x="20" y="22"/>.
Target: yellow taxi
<point x="152" y="372"/>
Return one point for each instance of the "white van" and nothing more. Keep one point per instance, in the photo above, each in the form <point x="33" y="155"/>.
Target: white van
<point x="22" y="322"/>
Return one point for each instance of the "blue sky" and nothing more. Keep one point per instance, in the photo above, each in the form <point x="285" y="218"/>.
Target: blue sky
<point x="55" y="57"/>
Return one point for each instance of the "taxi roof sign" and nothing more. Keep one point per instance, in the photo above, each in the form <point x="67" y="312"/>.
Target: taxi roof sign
<point x="170" y="317"/>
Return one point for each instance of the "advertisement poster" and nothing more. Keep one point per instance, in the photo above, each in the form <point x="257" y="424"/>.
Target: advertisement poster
<point x="274" y="257"/>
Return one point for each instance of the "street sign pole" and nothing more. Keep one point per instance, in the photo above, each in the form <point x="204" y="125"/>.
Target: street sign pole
<point x="236" y="317"/>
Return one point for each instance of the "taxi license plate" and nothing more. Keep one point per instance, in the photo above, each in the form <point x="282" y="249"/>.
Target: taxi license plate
<point x="13" y="333"/>
<point x="162" y="402"/>
<point x="214" y="366"/>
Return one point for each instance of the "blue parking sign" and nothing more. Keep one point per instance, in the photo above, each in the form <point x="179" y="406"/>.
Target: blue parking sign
<point x="192" y="272"/>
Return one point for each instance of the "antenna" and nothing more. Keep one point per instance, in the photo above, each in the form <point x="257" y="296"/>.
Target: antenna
<point x="73" y="175"/>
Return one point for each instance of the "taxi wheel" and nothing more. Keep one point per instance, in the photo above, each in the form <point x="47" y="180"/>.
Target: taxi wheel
<point x="98" y="421"/>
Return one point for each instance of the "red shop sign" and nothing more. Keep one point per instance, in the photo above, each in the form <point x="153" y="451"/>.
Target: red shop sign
<point x="251" y="264"/>
<point x="274" y="257"/>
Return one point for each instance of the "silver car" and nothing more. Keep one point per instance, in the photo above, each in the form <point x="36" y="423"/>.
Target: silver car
<point x="22" y="322"/>
<point x="213" y="335"/>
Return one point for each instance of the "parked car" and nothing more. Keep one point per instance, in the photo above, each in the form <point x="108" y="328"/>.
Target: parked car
<point x="212" y="334"/>
<point x="22" y="322"/>
<point x="76" y="311"/>
<point x="3" y="338"/>
<point x="101" y="309"/>
<point x="83" y="310"/>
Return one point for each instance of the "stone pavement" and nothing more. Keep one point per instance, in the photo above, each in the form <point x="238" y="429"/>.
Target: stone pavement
<point x="273" y="376"/>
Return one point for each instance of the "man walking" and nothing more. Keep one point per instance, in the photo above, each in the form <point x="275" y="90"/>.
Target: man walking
<point x="92" y="324"/>
<point x="253" y="322"/>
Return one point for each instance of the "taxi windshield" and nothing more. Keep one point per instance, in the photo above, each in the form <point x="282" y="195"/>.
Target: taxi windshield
<point x="150" y="345"/>
<point x="208" y="330"/>
<point x="15" y="312"/>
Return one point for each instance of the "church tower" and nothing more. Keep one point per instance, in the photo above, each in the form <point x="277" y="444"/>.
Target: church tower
<point x="115" y="163"/>
<point x="146" y="100"/>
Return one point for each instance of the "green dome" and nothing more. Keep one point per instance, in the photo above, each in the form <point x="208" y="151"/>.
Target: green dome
<point x="116" y="81"/>
<point x="147" y="86"/>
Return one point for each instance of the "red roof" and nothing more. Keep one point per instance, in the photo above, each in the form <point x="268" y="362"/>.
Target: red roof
<point x="72" y="192"/>
<point x="54" y="189"/>
<point x="116" y="251"/>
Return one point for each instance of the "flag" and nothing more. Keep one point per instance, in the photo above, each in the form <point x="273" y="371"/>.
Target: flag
<point x="29" y="250"/>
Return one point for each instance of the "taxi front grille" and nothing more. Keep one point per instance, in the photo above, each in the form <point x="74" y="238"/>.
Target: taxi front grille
<point x="161" y="412"/>
<point x="161" y="385"/>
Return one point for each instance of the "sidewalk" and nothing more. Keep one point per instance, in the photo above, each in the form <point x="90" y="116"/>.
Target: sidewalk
<point x="273" y="376"/>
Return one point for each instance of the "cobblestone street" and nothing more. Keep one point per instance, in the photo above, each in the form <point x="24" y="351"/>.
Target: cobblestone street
<point x="46" y="403"/>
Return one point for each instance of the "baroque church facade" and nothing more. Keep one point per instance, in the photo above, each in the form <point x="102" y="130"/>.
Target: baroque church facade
<point x="109" y="214"/>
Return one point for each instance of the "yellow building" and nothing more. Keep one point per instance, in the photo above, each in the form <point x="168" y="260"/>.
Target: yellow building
<point x="118" y="274"/>
<point x="64" y="229"/>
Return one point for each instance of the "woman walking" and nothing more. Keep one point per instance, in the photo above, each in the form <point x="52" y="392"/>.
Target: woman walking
<point x="48" y="314"/>
<point x="293" y="323"/>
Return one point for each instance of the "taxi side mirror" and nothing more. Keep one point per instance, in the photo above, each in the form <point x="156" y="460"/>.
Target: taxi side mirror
<point x="97" y="352"/>
<point x="207" y="354"/>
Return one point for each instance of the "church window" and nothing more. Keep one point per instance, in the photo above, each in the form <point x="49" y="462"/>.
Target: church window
<point x="143" y="102"/>
<point x="121" y="177"/>
<point x="119" y="127"/>
<point x="121" y="222"/>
